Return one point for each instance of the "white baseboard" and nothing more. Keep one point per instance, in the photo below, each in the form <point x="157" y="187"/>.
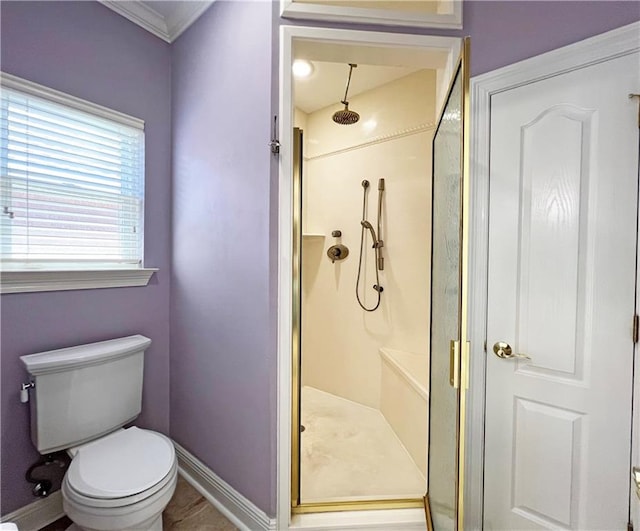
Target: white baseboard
<point x="239" y="510"/>
<point x="38" y="514"/>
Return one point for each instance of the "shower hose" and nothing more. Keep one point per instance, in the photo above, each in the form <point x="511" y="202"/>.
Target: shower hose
<point x="376" y="287"/>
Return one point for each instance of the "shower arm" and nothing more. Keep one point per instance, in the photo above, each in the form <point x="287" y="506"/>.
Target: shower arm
<point x="346" y="90"/>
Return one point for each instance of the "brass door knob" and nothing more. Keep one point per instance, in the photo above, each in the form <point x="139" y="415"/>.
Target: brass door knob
<point x="504" y="351"/>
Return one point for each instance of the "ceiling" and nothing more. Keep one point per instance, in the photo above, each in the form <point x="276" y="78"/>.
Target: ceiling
<point x="166" y="19"/>
<point x="377" y="65"/>
<point x="327" y="83"/>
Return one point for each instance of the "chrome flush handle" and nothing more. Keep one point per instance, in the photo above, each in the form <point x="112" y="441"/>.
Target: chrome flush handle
<point x="504" y="351"/>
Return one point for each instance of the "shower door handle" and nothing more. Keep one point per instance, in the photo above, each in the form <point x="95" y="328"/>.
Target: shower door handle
<point x="454" y="363"/>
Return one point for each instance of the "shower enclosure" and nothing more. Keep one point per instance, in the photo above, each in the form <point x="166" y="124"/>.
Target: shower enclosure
<point x="378" y="385"/>
<point x="364" y="319"/>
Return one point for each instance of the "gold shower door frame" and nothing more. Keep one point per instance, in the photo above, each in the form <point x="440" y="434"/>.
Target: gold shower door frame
<point x="297" y="507"/>
<point x="459" y="351"/>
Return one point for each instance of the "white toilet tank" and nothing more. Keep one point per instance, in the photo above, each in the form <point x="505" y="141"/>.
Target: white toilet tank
<point x="83" y="392"/>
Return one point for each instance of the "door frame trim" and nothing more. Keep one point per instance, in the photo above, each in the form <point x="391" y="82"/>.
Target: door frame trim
<point x="600" y="48"/>
<point x="288" y="34"/>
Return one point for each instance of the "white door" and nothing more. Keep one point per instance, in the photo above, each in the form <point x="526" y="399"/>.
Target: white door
<point x="562" y="258"/>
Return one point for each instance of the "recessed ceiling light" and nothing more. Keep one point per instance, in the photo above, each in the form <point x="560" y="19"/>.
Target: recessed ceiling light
<point x="301" y="68"/>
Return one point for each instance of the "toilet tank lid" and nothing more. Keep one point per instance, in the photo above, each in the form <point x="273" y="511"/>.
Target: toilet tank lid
<point x="82" y="355"/>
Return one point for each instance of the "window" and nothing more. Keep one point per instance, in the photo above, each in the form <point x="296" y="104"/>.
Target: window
<point x="71" y="183"/>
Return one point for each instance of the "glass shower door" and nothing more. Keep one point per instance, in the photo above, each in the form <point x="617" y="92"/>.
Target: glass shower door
<point x="448" y="360"/>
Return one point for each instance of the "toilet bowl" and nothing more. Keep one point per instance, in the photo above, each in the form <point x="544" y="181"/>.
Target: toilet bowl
<point x="81" y="398"/>
<point x="121" y="481"/>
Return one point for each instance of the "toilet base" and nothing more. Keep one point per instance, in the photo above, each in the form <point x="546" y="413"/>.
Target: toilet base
<point x="140" y="515"/>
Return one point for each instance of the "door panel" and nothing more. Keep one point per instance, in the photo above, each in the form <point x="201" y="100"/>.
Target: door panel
<point x="554" y="185"/>
<point x="562" y="248"/>
<point x="544" y="486"/>
<point x="448" y="312"/>
<point x="445" y="304"/>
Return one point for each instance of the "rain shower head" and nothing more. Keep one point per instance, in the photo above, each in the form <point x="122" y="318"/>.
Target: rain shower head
<point x="346" y="116"/>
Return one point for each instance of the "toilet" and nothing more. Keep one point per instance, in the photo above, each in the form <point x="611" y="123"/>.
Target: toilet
<point x="81" y="398"/>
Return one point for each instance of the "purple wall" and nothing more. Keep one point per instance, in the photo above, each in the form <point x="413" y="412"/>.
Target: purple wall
<point x="224" y="86"/>
<point x="86" y="50"/>
<point x="506" y="32"/>
<point x="222" y="320"/>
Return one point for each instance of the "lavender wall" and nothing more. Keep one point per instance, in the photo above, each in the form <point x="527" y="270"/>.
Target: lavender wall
<point x="506" y="32"/>
<point x="222" y="320"/>
<point x="224" y="283"/>
<point x="86" y="50"/>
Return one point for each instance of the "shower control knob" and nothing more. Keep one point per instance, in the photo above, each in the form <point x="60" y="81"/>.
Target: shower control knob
<point x="337" y="252"/>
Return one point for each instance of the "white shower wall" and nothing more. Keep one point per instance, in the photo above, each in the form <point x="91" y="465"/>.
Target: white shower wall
<point x="392" y="140"/>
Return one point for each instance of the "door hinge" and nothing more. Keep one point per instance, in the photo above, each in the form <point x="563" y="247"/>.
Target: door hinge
<point x="630" y="526"/>
<point x="636" y="325"/>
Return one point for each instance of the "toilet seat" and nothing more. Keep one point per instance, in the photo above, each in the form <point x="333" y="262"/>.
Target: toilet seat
<point x="79" y="499"/>
<point x="121" y="469"/>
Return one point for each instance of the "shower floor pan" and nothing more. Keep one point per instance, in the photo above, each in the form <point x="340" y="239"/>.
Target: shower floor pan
<point x="349" y="452"/>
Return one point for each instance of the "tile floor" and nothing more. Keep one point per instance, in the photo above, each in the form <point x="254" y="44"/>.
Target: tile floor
<point x="350" y="452"/>
<point x="188" y="510"/>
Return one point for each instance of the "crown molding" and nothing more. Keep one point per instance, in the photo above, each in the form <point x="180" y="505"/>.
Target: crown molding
<point x="166" y="28"/>
<point x="142" y="15"/>
<point x="177" y="25"/>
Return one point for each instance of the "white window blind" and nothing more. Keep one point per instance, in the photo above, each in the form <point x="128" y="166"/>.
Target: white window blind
<point x="72" y="183"/>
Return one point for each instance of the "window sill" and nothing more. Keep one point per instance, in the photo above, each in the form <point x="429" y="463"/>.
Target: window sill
<point x="34" y="281"/>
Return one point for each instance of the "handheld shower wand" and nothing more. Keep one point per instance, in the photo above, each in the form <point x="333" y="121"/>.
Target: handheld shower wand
<point x="377" y="244"/>
<point x="368" y="226"/>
